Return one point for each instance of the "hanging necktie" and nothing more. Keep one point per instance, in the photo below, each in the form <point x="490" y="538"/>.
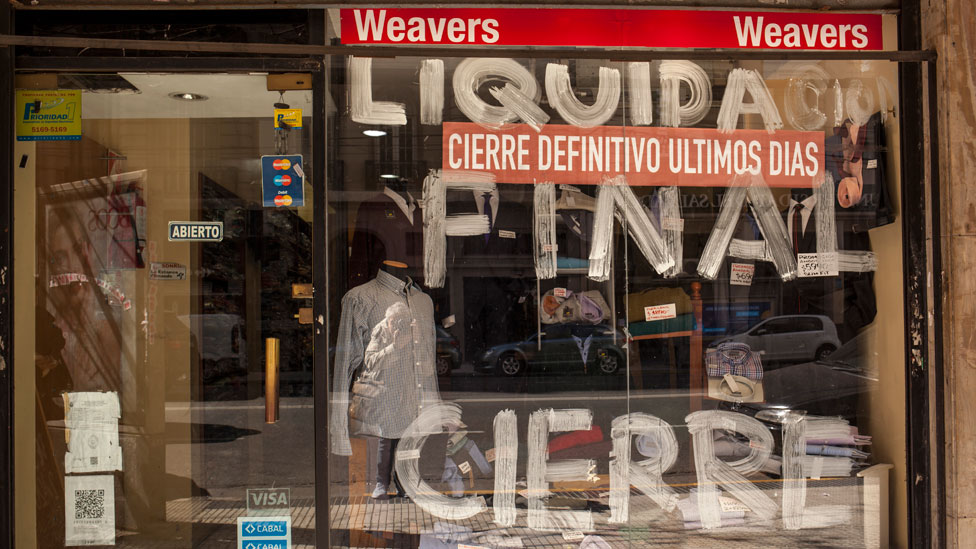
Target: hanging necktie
<point x="797" y="227"/>
<point x="488" y="212"/>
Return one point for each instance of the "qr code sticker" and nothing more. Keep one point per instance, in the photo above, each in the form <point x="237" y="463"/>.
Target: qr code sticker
<point x="89" y="504"/>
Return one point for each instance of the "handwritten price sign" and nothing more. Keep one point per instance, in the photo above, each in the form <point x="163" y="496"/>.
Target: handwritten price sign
<point x="741" y="274"/>
<point x="811" y="265"/>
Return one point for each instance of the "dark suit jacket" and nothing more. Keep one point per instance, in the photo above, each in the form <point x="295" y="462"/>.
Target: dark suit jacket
<point x="508" y="249"/>
<point x="384" y="232"/>
<point x="817" y="295"/>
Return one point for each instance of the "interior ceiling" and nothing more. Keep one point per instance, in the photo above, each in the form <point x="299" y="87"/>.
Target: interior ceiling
<point x="229" y="96"/>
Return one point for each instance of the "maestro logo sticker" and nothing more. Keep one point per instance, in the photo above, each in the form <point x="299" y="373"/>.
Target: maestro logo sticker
<point x="282" y="180"/>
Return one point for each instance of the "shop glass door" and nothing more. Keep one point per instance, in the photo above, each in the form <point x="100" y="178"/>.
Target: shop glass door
<point x="173" y="311"/>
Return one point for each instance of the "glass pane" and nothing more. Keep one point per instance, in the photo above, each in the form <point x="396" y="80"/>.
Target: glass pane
<point x="576" y="298"/>
<point x="164" y="287"/>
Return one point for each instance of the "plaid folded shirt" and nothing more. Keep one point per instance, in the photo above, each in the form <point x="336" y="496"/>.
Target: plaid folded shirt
<point x="733" y="358"/>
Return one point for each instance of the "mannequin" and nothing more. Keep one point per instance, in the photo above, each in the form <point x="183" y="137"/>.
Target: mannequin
<point x="384" y="366"/>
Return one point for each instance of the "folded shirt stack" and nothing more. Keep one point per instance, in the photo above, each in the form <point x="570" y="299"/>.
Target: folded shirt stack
<point x="832" y="447"/>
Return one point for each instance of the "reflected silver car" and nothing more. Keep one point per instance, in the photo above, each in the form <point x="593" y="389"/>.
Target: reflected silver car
<point x="790" y="338"/>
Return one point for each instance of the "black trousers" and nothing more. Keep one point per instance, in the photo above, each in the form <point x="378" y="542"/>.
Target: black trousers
<point x="385" y="450"/>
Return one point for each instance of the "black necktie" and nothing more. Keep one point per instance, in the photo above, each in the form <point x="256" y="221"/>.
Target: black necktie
<point x="488" y="213"/>
<point x="797" y="227"/>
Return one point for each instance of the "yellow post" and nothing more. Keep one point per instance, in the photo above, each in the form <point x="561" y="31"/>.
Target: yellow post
<point x="271" y="354"/>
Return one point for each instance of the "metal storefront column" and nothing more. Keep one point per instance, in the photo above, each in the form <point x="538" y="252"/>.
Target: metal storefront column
<point x="6" y="280"/>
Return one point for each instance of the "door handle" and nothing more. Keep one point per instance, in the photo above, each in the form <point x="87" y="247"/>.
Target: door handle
<point x="271" y="356"/>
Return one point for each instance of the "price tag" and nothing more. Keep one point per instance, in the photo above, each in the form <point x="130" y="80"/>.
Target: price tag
<point x="506" y="234"/>
<point x="550" y="247"/>
<point x="660" y="312"/>
<point x="449" y="321"/>
<point x="408" y="454"/>
<point x="817" y="469"/>
<point x="811" y="265"/>
<point x="731" y="505"/>
<point x="741" y="274"/>
<point x="872" y="164"/>
<point x="570" y="201"/>
<point x="464" y="467"/>
<point x="490" y="455"/>
<point x="573" y="535"/>
<point x="673" y="224"/>
<point x="559" y="292"/>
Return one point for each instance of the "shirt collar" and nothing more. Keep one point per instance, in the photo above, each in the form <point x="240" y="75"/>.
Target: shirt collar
<point x="733" y="352"/>
<point x="393" y="283"/>
<point x="808" y="202"/>
<point x="406" y="208"/>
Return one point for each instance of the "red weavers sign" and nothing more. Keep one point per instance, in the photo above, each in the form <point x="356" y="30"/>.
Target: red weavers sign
<point x="687" y="157"/>
<point x="640" y="28"/>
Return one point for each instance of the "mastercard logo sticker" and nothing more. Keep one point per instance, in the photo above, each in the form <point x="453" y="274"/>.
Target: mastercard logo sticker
<point x="282" y="180"/>
<point x="281" y="164"/>
<point x="283" y="200"/>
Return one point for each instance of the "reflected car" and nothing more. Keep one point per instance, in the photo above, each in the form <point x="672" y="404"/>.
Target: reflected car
<point x="790" y="338"/>
<point x="448" y="352"/>
<point x="564" y="348"/>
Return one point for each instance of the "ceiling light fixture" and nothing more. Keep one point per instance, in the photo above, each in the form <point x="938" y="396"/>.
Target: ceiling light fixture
<point x="186" y="96"/>
<point x="374" y="133"/>
<point x="390" y="176"/>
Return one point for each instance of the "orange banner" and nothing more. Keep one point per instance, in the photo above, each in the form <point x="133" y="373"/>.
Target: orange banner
<point x="646" y="156"/>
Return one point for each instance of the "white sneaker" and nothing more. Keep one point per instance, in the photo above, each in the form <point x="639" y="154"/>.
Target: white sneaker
<point x="380" y="492"/>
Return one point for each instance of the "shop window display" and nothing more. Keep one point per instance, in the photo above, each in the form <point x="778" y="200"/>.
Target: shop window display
<point x="659" y="283"/>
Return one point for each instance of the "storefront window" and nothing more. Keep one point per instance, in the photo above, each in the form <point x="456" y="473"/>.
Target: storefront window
<point x="173" y="350"/>
<point x="571" y="297"/>
<point x="584" y="302"/>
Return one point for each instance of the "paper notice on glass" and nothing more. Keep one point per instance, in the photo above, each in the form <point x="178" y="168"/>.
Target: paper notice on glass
<point x="89" y="510"/>
<point x="93" y="451"/>
<point x="92" y="432"/>
<point x="817" y="264"/>
<point x="91" y="406"/>
<point x="741" y="274"/>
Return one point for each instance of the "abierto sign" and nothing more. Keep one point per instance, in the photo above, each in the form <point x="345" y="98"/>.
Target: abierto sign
<point x="639" y="28"/>
<point x="686" y="157"/>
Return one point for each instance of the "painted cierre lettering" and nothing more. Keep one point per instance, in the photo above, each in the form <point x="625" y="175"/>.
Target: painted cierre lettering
<point x="713" y="474"/>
